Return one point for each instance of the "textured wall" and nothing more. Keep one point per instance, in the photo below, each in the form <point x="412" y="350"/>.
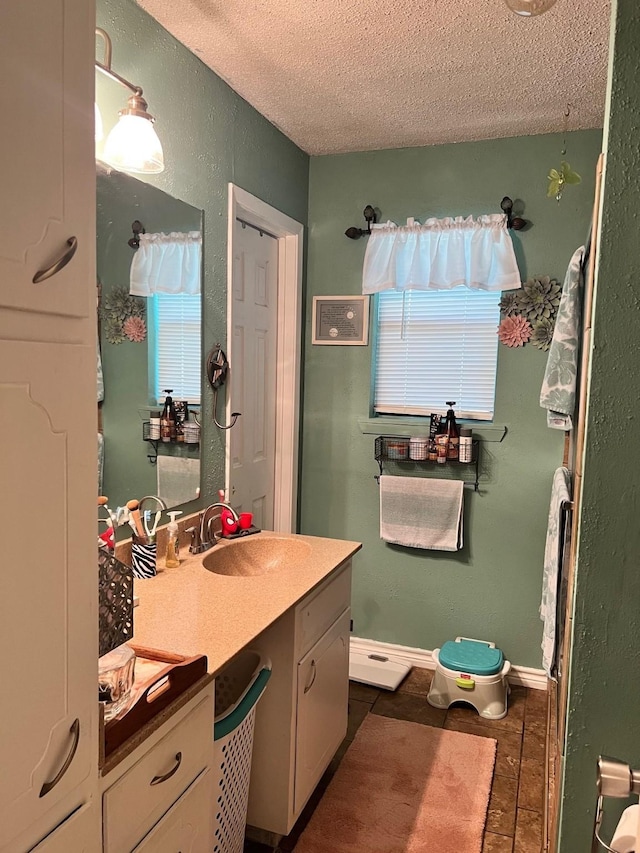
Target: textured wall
<point x="210" y="136"/>
<point x="604" y="687"/>
<point x="491" y="589"/>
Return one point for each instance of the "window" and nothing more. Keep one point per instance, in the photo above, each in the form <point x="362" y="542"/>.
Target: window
<point x="434" y="346"/>
<point x="174" y="346"/>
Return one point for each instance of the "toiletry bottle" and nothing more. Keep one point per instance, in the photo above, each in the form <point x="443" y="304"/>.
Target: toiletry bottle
<point x="154" y="426"/>
<point x="434" y="429"/>
<point x="451" y="429"/>
<point x="466" y="445"/>
<point x="172" y="557"/>
<point x="167" y="421"/>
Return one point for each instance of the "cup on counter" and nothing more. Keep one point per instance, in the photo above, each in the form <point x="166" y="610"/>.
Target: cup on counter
<point x="245" y="520"/>
<point x="143" y="558"/>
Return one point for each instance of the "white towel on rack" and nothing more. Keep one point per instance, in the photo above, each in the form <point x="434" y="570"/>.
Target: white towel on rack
<point x="421" y="513"/>
<point x="553" y="558"/>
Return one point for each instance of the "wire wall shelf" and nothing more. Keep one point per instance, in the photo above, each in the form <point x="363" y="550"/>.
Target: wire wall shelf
<point x="392" y="453"/>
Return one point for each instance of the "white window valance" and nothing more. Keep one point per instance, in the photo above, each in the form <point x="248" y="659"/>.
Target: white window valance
<point x="441" y="254"/>
<point x="167" y="263"/>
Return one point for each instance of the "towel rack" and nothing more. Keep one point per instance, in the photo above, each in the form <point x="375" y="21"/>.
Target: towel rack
<point x="451" y="467"/>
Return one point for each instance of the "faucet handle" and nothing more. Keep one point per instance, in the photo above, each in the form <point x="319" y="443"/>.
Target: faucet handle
<point x="196" y="546"/>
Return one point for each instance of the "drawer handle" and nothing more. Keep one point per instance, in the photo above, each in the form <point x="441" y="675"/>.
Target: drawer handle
<point x="158" y="779"/>
<point x="314" y="672"/>
<point x="75" y="732"/>
<point x="62" y="261"/>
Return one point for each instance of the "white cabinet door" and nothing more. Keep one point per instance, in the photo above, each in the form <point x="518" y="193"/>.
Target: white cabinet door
<point x="323" y="697"/>
<point x="80" y="833"/>
<point x="47" y="154"/>
<point x="48" y="585"/>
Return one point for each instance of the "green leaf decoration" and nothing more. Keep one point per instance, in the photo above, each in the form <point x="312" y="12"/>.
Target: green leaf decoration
<point x="558" y="180"/>
<point x="570" y="177"/>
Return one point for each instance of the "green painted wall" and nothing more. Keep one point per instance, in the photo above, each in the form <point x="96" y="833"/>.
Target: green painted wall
<point x="119" y="200"/>
<point x="491" y="589"/>
<point x="604" y="687"/>
<point x="210" y="136"/>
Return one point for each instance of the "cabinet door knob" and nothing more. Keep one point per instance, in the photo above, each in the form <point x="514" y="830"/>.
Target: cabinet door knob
<point x="74" y="731"/>
<point x="63" y="260"/>
<point x="158" y="779"/>
<point x="314" y="671"/>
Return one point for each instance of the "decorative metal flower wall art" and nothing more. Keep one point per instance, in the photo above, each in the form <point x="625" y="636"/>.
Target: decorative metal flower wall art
<point x="534" y="309"/>
<point x="514" y="331"/>
<point x="123" y="317"/>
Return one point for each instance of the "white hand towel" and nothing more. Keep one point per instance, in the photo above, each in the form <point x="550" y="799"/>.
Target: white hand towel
<point x="421" y="513"/>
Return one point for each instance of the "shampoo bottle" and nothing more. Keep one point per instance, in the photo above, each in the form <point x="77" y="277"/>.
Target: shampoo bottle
<point x="172" y="557"/>
<point x="451" y="429"/>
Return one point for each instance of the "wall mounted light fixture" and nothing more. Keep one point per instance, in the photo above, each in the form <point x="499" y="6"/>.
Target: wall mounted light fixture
<point x="370" y="216"/>
<point x="133" y="144"/>
<point x="530" y="8"/>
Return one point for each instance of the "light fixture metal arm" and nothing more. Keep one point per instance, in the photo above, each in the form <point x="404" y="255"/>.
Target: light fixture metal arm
<point x="105" y="65"/>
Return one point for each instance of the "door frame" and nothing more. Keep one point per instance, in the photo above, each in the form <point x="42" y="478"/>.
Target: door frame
<point x="289" y="234"/>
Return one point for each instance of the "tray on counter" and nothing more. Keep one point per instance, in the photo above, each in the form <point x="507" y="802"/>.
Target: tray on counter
<point x="160" y="678"/>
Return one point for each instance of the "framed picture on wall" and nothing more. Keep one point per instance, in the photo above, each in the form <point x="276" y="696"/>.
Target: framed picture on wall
<point x="341" y="320"/>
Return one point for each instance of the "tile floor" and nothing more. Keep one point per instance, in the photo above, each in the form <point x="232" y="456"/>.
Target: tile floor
<point x="514" y="820"/>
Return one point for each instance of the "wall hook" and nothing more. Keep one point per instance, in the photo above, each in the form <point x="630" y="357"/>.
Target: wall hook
<point x="370" y="216"/>
<point x="516" y="223"/>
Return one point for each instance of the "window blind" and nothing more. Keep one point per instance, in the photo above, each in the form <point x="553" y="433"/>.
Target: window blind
<point x="434" y="346"/>
<point x="176" y="346"/>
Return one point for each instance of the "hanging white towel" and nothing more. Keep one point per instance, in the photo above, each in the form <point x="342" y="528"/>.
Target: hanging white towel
<point x="553" y="554"/>
<point x="421" y="513"/>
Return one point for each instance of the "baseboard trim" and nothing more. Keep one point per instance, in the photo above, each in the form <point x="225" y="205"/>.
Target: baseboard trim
<point x="526" y="676"/>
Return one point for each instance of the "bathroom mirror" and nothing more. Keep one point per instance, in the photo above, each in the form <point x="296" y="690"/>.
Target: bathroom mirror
<point x="129" y="366"/>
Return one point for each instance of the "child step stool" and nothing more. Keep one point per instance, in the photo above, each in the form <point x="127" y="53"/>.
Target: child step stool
<point x="471" y="671"/>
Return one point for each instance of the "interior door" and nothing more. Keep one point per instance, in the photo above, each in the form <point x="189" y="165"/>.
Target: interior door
<point x="252" y="387"/>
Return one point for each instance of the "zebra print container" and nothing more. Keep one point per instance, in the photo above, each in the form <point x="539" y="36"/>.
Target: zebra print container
<point x="143" y="560"/>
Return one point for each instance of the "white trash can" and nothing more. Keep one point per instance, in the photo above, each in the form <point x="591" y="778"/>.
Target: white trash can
<point x="238" y="688"/>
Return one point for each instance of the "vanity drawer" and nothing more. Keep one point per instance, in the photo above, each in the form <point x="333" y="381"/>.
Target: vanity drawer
<point x="188" y="825"/>
<point x="320" y="610"/>
<point x="134" y="803"/>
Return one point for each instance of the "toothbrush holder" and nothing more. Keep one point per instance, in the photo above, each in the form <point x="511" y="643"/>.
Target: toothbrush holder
<point x="143" y="558"/>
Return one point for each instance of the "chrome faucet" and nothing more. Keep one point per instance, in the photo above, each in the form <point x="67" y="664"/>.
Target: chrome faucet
<point x="201" y="535"/>
<point x="161" y="503"/>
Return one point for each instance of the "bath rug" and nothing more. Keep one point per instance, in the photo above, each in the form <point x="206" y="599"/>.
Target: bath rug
<point x="405" y="788"/>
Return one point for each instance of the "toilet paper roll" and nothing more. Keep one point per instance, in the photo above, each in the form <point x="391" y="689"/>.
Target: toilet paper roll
<point x="624" y="838"/>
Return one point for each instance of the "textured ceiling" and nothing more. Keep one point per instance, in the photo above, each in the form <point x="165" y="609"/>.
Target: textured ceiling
<point x="352" y="75"/>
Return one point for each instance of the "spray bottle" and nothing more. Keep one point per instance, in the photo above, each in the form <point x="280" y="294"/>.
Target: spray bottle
<point x="172" y="557"/>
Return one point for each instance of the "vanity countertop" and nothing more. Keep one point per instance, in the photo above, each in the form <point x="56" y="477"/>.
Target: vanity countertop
<point x="190" y="610"/>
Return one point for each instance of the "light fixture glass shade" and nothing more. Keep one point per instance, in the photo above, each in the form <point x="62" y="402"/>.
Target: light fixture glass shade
<point x="133" y="146"/>
<point x="530" y="8"/>
<point x="99" y="132"/>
